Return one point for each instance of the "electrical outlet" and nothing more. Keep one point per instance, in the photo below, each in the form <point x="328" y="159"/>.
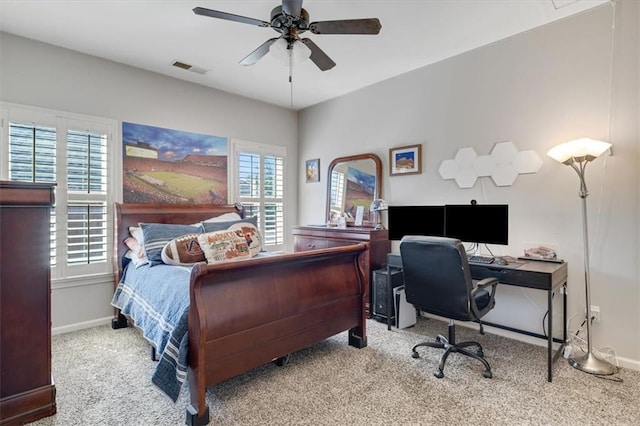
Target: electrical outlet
<point x="595" y="313"/>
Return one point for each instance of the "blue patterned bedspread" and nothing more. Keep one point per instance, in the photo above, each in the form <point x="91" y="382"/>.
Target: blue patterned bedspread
<point x="157" y="300"/>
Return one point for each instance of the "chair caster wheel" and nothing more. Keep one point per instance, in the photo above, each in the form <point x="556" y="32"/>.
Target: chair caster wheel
<point x="487" y="374"/>
<point x="439" y="374"/>
<point x="415" y="354"/>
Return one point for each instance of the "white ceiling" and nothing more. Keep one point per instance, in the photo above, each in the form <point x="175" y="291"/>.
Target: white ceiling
<point x="152" y="34"/>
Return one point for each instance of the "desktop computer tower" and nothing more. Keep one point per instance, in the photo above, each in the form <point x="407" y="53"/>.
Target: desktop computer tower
<point x="406" y="315"/>
<point x="380" y="292"/>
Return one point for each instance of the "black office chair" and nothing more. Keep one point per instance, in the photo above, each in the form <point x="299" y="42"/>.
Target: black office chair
<point x="438" y="281"/>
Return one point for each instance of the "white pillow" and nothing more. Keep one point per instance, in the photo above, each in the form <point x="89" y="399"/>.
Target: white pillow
<point x="224" y="218"/>
<point x="137" y="261"/>
<point x="135" y="243"/>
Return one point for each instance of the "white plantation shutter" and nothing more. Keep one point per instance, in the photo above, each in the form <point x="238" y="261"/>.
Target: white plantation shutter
<point x="86" y="197"/>
<point x="73" y="153"/>
<point x="259" y="177"/>
<point x="32" y="158"/>
<point x="337" y="192"/>
<point x="274" y="200"/>
<point x="32" y="151"/>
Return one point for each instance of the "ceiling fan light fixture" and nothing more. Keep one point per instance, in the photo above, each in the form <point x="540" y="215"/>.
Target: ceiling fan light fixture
<point x="299" y="52"/>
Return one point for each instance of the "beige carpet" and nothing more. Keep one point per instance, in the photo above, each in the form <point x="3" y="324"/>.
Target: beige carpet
<point x="103" y="378"/>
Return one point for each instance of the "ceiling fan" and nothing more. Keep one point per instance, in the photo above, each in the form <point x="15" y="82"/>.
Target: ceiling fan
<point x="291" y="20"/>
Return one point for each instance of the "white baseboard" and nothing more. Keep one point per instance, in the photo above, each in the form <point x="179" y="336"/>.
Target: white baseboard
<point x="630" y="364"/>
<point x="81" y="325"/>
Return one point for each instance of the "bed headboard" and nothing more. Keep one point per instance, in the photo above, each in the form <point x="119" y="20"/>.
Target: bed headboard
<point x="127" y="215"/>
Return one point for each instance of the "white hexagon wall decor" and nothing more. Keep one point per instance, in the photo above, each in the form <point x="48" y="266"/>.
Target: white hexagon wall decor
<point x="465" y="157"/>
<point x="484" y="165"/>
<point x="448" y="169"/>
<point x="504" y="152"/>
<point x="527" y="162"/>
<point x="503" y="165"/>
<point x="504" y="175"/>
<point x="466" y="178"/>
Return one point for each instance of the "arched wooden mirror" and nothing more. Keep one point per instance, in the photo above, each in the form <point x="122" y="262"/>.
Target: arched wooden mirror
<point x="354" y="181"/>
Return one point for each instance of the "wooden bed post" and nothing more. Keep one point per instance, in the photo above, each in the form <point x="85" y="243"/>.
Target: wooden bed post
<point x="198" y="410"/>
<point x="358" y="335"/>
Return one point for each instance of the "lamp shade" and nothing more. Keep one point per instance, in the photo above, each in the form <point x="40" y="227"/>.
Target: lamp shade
<point x="378" y="205"/>
<point x="299" y="51"/>
<point x="578" y="150"/>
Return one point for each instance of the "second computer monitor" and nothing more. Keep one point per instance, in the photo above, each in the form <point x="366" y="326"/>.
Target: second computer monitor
<point x="479" y="223"/>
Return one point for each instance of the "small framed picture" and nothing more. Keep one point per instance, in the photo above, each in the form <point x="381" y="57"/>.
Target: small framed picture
<point x="405" y="160"/>
<point x="312" y="170"/>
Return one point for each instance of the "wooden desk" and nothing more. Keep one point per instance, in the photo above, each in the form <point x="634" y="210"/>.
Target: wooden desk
<point x="545" y="276"/>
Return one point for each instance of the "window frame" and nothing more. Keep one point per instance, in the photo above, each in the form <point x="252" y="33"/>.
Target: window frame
<point x="235" y="148"/>
<point x="63" y="273"/>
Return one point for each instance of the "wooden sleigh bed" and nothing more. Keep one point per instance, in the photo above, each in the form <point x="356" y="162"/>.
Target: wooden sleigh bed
<point x="245" y="314"/>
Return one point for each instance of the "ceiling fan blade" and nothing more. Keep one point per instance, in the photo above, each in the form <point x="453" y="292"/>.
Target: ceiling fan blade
<point x="229" y="17"/>
<point x="347" y="26"/>
<point x="262" y="50"/>
<point x="318" y="57"/>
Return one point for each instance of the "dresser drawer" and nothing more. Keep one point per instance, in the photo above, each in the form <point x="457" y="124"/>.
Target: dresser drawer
<point x="305" y="243"/>
<point x="340" y="243"/>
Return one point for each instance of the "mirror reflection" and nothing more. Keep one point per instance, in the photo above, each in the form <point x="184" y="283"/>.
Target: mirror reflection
<point x="353" y="182"/>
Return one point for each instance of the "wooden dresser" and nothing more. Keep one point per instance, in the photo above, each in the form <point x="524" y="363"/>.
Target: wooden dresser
<point x="27" y="392"/>
<point x="315" y="237"/>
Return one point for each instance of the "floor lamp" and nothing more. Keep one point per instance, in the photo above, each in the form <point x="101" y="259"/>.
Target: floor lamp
<point x="577" y="154"/>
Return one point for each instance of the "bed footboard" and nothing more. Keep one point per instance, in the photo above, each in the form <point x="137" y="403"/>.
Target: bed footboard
<point x="245" y="314"/>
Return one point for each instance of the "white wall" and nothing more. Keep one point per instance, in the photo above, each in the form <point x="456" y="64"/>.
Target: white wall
<point x="536" y="89"/>
<point x="38" y="74"/>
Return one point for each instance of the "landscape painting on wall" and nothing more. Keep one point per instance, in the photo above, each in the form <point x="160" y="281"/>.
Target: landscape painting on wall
<point x="167" y="166"/>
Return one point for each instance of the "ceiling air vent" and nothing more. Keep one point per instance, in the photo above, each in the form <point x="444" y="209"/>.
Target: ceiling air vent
<point x="558" y="4"/>
<point x="188" y="67"/>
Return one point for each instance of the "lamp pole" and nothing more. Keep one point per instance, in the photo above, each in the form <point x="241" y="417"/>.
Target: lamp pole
<point x="588" y="362"/>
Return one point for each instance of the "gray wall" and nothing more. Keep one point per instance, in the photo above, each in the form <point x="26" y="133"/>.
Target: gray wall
<point x="41" y="75"/>
<point x="536" y="89"/>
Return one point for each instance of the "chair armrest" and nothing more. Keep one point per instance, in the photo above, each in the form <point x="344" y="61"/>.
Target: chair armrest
<point x="491" y="281"/>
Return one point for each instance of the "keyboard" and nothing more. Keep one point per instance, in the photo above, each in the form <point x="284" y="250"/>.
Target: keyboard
<point x="481" y="259"/>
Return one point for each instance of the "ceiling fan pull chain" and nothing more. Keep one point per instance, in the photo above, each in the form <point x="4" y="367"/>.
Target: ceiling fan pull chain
<point x="290" y="75"/>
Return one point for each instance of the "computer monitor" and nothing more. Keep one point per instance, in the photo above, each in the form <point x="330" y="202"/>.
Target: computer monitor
<point x="479" y="223"/>
<point x="415" y="220"/>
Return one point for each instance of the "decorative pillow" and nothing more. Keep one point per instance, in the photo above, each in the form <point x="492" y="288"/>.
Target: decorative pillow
<point x="223" y="246"/>
<point x="136" y="252"/>
<point x="251" y="234"/>
<point x="219" y="226"/>
<point x="227" y="217"/>
<point x="183" y="250"/>
<point x="157" y="235"/>
<point x="136" y="232"/>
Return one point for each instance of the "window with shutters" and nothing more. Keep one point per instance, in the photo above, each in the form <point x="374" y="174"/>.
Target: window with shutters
<point x="337" y="193"/>
<point x="46" y="146"/>
<point x="259" y="187"/>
